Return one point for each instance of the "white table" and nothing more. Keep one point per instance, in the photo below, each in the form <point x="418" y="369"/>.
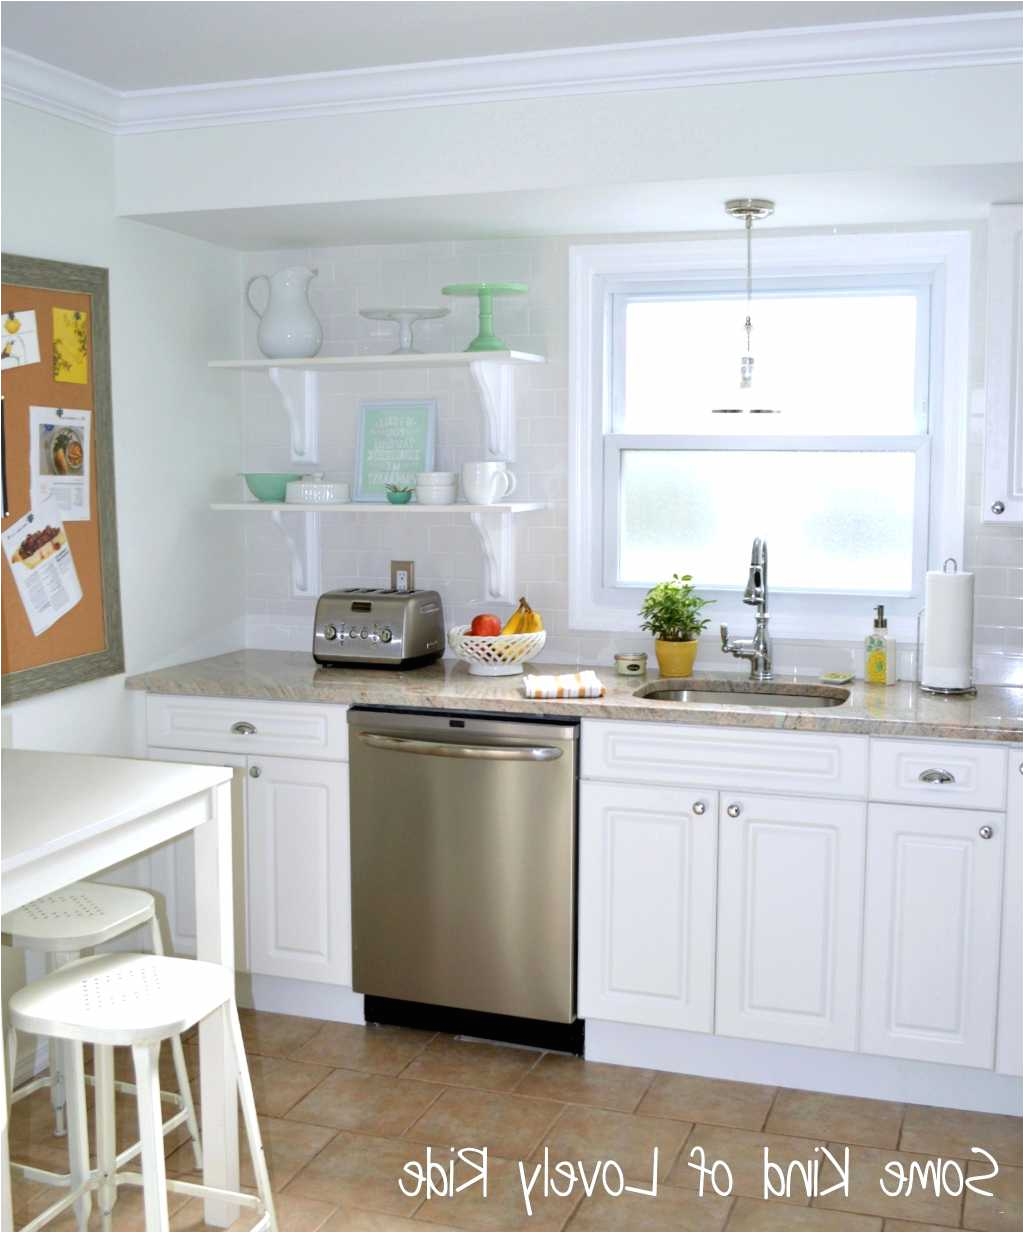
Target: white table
<point x="69" y="816"/>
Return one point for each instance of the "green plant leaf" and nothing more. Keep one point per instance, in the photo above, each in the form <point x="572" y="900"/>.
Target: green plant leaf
<point x="672" y="610"/>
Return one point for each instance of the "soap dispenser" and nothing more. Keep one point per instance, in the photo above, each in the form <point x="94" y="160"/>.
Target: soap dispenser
<point x="880" y="652"/>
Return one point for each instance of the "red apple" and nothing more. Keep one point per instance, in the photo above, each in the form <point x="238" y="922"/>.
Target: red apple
<point x="485" y="625"/>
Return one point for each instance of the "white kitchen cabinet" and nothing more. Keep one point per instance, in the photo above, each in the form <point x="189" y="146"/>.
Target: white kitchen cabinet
<point x="299" y="896"/>
<point x="647" y="905"/>
<point x="1008" y="1025"/>
<point x="791" y="873"/>
<point x="932" y="917"/>
<point x="1001" y="498"/>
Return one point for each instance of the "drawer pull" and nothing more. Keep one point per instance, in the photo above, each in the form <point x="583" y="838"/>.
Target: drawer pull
<point x="936" y="777"/>
<point x="986" y="832"/>
<point x="242" y="728"/>
<point x="700" y="808"/>
<point x="733" y="811"/>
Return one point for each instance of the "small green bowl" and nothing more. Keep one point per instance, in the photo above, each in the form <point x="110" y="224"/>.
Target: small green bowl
<point x="269" y="485"/>
<point x="399" y="498"/>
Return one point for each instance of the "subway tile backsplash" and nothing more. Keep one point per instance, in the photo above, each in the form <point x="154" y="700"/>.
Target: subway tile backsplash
<point x="356" y="549"/>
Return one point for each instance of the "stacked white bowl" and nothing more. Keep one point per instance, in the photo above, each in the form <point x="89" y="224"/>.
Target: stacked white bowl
<point x="435" y="487"/>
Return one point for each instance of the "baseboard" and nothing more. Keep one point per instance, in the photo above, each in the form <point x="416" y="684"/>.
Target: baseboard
<point x="819" y="1070"/>
<point x="307" y="998"/>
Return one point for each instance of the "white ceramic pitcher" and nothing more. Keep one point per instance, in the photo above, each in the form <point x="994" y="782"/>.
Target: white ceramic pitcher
<point x="288" y="327"/>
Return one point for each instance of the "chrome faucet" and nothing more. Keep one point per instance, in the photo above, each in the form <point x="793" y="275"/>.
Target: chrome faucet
<point x="757" y="649"/>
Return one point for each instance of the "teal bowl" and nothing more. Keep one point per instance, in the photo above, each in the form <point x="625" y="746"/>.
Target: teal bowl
<point x="399" y="498"/>
<point x="269" y="485"/>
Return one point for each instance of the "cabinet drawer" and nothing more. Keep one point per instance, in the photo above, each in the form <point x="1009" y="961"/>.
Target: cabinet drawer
<point x="961" y="774"/>
<point x="819" y="764"/>
<point x="287" y="728"/>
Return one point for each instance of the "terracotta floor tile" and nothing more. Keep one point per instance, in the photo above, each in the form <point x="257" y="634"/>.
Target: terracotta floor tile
<point x="292" y="1213"/>
<point x="1004" y="1209"/>
<point x="557" y="1077"/>
<point x="912" y="1226"/>
<point x="509" y="1126"/>
<point x="280" y="1083"/>
<point x="128" y="1214"/>
<point x="759" y="1216"/>
<point x="504" y="1206"/>
<point x="596" y="1135"/>
<point x="276" y="1035"/>
<point x="849" y="1119"/>
<point x="867" y="1169"/>
<point x="347" y="1217"/>
<point x="124" y="1068"/>
<point x="287" y="1145"/>
<point x="718" y="1101"/>
<point x="466" y="1063"/>
<point x="945" y="1132"/>
<point x="382" y="1050"/>
<point x="669" y="1210"/>
<point x="743" y="1152"/>
<point x="359" y="1171"/>
<point x="371" y="1104"/>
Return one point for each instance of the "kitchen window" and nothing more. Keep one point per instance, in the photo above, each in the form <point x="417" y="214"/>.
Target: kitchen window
<point x="855" y="479"/>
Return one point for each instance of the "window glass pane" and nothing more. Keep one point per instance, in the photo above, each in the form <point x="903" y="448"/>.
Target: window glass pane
<point x="834" y="521"/>
<point x="832" y="364"/>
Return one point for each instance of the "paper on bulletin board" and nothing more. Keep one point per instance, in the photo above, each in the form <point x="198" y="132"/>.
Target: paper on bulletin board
<point x="71" y="346"/>
<point x="19" y="340"/>
<point x="37" y="551"/>
<point x="59" y="444"/>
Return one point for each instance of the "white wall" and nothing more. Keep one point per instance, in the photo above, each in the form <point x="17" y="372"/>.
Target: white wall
<point x="356" y="550"/>
<point x="173" y="304"/>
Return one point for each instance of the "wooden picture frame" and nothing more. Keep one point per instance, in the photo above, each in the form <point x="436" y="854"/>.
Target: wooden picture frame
<point x="33" y="282"/>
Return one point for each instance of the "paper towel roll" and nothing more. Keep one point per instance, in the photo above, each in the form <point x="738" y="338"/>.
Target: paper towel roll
<point x="947" y="660"/>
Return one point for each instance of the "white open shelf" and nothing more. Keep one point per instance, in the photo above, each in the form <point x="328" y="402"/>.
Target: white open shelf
<point x="300" y="525"/>
<point x="362" y="363"/>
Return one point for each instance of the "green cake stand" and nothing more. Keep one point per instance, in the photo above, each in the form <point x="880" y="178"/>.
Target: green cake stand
<point x="485" y="292"/>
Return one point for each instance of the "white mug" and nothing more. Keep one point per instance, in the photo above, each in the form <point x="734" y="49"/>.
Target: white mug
<point x="483" y="483"/>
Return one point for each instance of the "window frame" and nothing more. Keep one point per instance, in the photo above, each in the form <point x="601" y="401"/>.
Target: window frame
<point x="602" y="276"/>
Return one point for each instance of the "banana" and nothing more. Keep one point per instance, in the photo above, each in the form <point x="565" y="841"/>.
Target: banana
<point x="524" y="620"/>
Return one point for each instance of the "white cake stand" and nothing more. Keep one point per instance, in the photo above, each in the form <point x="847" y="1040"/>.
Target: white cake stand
<point x="405" y="318"/>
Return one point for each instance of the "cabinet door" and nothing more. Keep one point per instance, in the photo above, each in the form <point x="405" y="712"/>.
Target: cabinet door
<point x="789" y="919"/>
<point x="931" y="954"/>
<point x="1008" y="1029"/>
<point x="647" y="905"/>
<point x="299" y="893"/>
<point x="1002" y="481"/>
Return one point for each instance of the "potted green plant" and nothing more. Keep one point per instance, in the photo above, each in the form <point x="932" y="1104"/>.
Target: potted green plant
<point x="672" y="613"/>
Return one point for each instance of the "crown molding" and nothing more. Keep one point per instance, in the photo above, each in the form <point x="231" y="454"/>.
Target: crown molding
<point x="771" y="55"/>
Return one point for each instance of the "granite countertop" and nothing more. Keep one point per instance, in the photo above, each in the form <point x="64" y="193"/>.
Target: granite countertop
<point x="994" y="714"/>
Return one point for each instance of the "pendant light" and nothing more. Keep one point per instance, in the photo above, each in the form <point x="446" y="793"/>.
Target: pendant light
<point x="748" y="209"/>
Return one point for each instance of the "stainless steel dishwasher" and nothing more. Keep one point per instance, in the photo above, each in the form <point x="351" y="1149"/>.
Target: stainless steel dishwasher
<point x="464" y="862"/>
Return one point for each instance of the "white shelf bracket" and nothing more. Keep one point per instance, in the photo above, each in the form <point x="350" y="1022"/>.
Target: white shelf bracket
<point x="299" y="391"/>
<point x="494" y="382"/>
<point x="301" y="531"/>
<point x="495" y="531"/>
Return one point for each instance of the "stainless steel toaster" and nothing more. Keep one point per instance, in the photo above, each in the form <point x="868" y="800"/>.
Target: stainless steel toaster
<point x="368" y="627"/>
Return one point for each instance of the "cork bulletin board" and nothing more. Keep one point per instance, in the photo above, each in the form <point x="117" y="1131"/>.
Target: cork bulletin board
<point x="61" y="609"/>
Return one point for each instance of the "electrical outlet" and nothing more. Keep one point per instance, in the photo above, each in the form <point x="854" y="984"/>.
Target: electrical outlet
<point x="403" y="576"/>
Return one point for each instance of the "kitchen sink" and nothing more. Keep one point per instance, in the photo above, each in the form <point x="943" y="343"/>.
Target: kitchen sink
<point x="743" y="693"/>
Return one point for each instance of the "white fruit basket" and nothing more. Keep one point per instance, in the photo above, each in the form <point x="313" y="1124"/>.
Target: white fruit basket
<point x="496" y="654"/>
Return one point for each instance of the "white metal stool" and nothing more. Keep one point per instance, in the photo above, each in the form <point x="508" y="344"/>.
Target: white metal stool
<point x="61" y="926"/>
<point x="136" y="1001"/>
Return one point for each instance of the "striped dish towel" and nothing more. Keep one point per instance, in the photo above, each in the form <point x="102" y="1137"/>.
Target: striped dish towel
<point x="567" y="685"/>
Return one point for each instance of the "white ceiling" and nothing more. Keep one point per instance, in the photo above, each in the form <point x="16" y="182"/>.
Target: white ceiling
<point x="132" y="45"/>
<point x="934" y="194"/>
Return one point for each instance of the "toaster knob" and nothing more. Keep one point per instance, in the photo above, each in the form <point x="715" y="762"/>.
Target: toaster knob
<point x="352" y="633"/>
<point x="364" y="632"/>
<point x="330" y="632"/>
<point x="385" y="635"/>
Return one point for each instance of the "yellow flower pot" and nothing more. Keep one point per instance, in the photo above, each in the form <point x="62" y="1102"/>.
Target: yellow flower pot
<point x="675" y="658"/>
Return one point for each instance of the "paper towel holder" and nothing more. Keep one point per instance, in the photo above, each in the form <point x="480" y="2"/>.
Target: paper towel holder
<point x="962" y="691"/>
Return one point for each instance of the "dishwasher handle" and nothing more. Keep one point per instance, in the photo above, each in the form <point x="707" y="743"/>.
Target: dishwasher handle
<point x="440" y="749"/>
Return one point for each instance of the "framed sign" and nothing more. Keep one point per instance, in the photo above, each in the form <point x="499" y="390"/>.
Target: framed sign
<point x="61" y="596"/>
<point x="396" y="439"/>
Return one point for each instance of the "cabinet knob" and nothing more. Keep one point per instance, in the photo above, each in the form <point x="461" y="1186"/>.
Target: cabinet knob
<point x="243" y="729"/>
<point x="934" y="776"/>
<point x="986" y="832"/>
<point x="255" y="772"/>
<point x="998" y="507"/>
<point x="733" y="811"/>
<point x="700" y="808"/>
